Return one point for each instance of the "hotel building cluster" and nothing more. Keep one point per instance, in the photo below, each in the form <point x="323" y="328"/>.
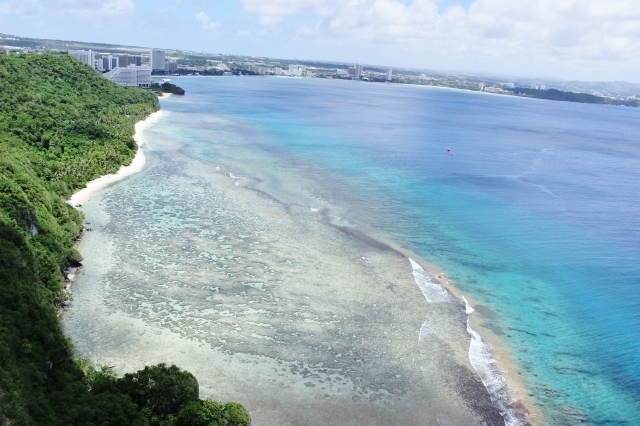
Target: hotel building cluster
<point x="136" y="70"/>
<point x="295" y="70"/>
<point x="125" y="69"/>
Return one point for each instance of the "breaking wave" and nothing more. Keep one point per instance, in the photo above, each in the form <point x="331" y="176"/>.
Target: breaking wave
<point x="432" y="290"/>
<point x="486" y="367"/>
<point x="479" y="351"/>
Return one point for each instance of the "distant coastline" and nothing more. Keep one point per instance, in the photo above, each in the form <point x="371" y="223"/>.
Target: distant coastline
<point x="206" y="64"/>
<point x="583" y="98"/>
<point x="523" y="92"/>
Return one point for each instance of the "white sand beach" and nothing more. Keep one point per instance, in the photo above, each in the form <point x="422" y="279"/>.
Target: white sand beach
<point x="137" y="164"/>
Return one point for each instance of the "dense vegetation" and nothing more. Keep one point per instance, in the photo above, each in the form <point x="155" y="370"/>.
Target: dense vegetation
<point x="167" y="87"/>
<point x="61" y="125"/>
<point x="558" y="95"/>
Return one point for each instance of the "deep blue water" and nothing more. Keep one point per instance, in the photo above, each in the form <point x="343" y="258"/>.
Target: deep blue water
<point x="536" y="216"/>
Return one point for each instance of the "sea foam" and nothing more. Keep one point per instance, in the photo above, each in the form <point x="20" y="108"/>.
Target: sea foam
<point x="487" y="368"/>
<point x="479" y="351"/>
<point x="432" y="291"/>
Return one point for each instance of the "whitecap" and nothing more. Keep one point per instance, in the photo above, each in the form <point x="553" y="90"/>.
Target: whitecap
<point x="480" y="355"/>
<point x="432" y="291"/>
<point x="482" y="361"/>
<point x="467" y="308"/>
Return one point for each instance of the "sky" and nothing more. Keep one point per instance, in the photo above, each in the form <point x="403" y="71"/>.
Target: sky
<point x="597" y="40"/>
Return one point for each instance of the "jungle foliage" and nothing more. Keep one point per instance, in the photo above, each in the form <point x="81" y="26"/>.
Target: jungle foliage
<point x="61" y="125"/>
<point x="167" y="87"/>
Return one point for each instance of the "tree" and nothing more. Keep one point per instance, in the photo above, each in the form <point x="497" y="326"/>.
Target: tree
<point x="161" y="389"/>
<point x="212" y="413"/>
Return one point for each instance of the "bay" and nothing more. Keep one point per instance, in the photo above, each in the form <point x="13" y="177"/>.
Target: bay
<point x="528" y="208"/>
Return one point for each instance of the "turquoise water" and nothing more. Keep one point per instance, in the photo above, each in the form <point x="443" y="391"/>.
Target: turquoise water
<point x="535" y="216"/>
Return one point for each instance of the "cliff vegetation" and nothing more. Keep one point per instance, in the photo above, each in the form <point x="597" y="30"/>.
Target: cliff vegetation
<point x="62" y="125"/>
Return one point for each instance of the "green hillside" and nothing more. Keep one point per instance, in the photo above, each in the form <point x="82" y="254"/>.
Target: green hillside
<point x="61" y="125"/>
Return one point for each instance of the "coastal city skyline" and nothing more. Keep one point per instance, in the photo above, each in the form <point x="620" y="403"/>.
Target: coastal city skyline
<point x="134" y="66"/>
<point x="136" y="70"/>
<point x="573" y="40"/>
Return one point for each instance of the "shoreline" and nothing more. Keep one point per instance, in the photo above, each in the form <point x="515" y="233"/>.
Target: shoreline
<point x="500" y="352"/>
<point x="461" y="89"/>
<point x="136" y="165"/>
<point x="341" y="377"/>
<point x="498" y="348"/>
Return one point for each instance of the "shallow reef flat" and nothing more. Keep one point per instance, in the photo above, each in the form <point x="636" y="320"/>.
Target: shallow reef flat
<point x="276" y="304"/>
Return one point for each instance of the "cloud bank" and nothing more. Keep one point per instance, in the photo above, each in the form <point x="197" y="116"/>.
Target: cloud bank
<point x="573" y="39"/>
<point x="69" y="8"/>
<point x="561" y="33"/>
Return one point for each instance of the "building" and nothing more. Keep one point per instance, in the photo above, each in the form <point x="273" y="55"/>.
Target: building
<point x="301" y="68"/>
<point x="277" y="70"/>
<point x="131" y="76"/>
<point x="85" y="56"/>
<point x="123" y="60"/>
<point x="389" y="74"/>
<point x="257" y="70"/>
<point x="126" y="60"/>
<point x="157" y="60"/>
<point x="356" y="70"/>
<point x="171" y="67"/>
<point x="110" y="62"/>
<point x="297" y="70"/>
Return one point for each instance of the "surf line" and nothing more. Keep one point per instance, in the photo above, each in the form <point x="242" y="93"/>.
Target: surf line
<point x="480" y="355"/>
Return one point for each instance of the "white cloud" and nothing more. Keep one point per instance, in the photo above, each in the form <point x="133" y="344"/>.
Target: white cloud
<point x="68" y="8"/>
<point x="273" y="11"/>
<point x="90" y="8"/>
<point x="560" y="33"/>
<point x="115" y="7"/>
<point x="205" y="22"/>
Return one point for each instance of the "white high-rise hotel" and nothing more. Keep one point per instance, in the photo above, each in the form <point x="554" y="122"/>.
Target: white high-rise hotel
<point x="356" y="70"/>
<point x="84" y="56"/>
<point x="132" y="76"/>
<point x="157" y="60"/>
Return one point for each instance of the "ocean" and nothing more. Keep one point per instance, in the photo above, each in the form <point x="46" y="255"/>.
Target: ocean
<point x="271" y="234"/>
